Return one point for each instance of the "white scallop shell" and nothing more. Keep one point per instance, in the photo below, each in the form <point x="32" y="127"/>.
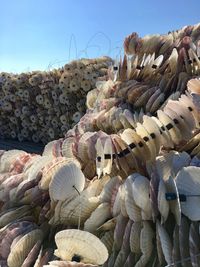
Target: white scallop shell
<point x="66" y="181"/>
<point x="82" y="243"/>
<point x="188" y="183"/>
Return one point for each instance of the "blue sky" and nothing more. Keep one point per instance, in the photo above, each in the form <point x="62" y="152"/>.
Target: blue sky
<point x="41" y="34"/>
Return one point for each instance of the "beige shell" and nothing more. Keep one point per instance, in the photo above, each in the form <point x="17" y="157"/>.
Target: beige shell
<point x="84" y="244"/>
<point x="98" y="217"/>
<point x="21" y="249"/>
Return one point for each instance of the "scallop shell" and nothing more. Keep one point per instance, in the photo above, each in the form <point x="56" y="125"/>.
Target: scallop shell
<point x="68" y="264"/>
<point x="165" y="243"/>
<point x="8" y="157"/>
<point x="66" y="181"/>
<point x="98" y="217"/>
<point x="21" y="249"/>
<point x="133" y="211"/>
<point x="174" y="205"/>
<point x="135" y="237"/>
<point x="12" y="214"/>
<point x="84" y="244"/>
<point x="78" y="210"/>
<point x="146" y="244"/>
<point x="194" y="243"/>
<point x="141" y="191"/>
<point x="187" y="182"/>
<point x="163" y="204"/>
<point x="184" y="229"/>
<point x="108" y="240"/>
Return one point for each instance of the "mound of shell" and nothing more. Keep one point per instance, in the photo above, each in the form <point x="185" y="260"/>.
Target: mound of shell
<point x="122" y="187"/>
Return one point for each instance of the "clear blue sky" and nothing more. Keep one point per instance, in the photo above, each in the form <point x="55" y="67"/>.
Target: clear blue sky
<point x="35" y="34"/>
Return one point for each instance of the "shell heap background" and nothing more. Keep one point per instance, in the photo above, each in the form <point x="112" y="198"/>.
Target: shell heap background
<point x="128" y="172"/>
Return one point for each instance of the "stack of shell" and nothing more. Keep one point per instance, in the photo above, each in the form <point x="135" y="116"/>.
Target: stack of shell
<point x="127" y="175"/>
<point x="42" y="106"/>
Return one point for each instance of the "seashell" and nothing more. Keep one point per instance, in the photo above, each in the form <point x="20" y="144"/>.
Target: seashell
<point x="119" y="231"/>
<point x="52" y="168"/>
<point x="163" y="204"/>
<point x="174" y="204"/>
<point x="133" y="211"/>
<point x="146" y="243"/>
<point x="109" y="189"/>
<point x="98" y="217"/>
<point x="141" y="191"/>
<point x="194" y="243"/>
<point x="149" y="141"/>
<point x="8" y="157"/>
<point x="35" y="169"/>
<point x="108" y="239"/>
<point x="77" y="244"/>
<point x="135" y="237"/>
<point x="32" y="256"/>
<point x="78" y="210"/>
<point x="21" y="249"/>
<point x="161" y="258"/>
<point x="68" y="264"/>
<point x="168" y="123"/>
<point x="184" y="229"/>
<point x="12" y="214"/>
<point x="187" y="184"/>
<point x="65" y="181"/>
<point x="176" y="245"/>
<point x="165" y="243"/>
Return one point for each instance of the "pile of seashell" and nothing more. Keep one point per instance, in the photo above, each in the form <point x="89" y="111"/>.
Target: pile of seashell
<point x="122" y="188"/>
<point x="42" y="106"/>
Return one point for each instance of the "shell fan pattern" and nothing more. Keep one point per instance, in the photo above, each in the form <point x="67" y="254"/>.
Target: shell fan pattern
<point x="121" y="188"/>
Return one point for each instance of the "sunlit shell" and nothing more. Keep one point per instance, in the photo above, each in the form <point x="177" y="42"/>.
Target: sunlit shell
<point x="141" y="191"/>
<point x="65" y="181"/>
<point x="188" y="184"/>
<point x="82" y="244"/>
<point x="52" y="167"/>
<point x="78" y="210"/>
